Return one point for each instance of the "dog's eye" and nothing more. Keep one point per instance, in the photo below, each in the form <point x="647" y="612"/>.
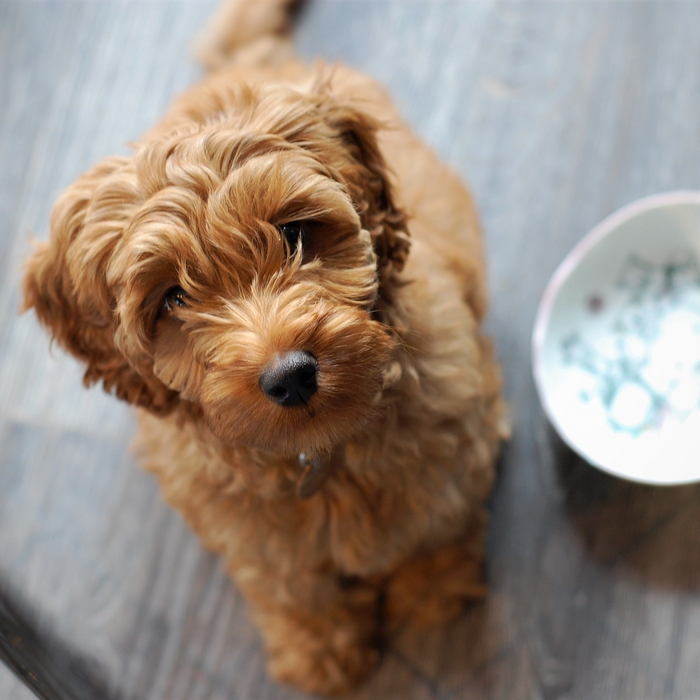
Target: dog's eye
<point x="175" y="297"/>
<point x="294" y="233"/>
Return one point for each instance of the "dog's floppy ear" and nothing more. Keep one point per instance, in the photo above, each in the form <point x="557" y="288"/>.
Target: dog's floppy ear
<point x="65" y="280"/>
<point x="369" y="184"/>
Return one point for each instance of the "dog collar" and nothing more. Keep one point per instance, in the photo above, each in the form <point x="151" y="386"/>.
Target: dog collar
<point x="314" y="473"/>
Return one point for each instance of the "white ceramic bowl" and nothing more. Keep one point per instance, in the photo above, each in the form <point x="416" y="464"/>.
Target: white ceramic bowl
<point x="616" y="343"/>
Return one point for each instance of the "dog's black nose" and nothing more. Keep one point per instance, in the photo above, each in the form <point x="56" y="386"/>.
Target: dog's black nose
<point x="290" y="380"/>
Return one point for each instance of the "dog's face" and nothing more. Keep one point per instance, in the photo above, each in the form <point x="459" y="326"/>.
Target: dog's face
<point x="234" y="265"/>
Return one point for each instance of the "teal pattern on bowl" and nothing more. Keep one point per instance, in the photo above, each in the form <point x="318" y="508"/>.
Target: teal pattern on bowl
<point x="648" y="368"/>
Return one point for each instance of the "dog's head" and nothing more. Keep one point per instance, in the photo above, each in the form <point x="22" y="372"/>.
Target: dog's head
<point x="235" y="266"/>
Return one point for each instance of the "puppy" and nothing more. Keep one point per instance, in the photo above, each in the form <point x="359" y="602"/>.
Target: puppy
<point x="290" y="287"/>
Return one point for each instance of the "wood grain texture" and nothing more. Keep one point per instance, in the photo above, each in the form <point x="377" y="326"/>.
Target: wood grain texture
<point x="557" y="113"/>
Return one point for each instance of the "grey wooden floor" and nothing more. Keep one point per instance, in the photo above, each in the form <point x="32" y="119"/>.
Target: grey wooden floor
<point x="557" y="113"/>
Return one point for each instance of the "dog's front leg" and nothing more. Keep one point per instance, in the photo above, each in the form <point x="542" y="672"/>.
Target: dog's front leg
<point x="432" y="587"/>
<point x="320" y="630"/>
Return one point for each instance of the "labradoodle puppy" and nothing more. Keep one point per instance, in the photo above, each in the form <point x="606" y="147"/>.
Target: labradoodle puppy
<point x="290" y="286"/>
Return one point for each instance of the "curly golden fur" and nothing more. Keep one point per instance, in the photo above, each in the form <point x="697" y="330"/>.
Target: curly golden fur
<point x="405" y="420"/>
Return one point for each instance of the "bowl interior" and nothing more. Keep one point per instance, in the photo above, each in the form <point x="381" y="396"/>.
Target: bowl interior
<point x="617" y="343"/>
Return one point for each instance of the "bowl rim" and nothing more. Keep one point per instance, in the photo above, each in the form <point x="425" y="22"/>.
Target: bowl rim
<point x="591" y="239"/>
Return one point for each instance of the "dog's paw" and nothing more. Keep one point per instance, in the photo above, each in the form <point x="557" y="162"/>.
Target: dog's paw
<point x="328" y="652"/>
<point x="331" y="669"/>
<point x="432" y="589"/>
<point x="424" y="600"/>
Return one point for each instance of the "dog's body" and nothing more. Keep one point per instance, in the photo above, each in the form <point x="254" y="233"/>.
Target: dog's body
<point x="263" y="224"/>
